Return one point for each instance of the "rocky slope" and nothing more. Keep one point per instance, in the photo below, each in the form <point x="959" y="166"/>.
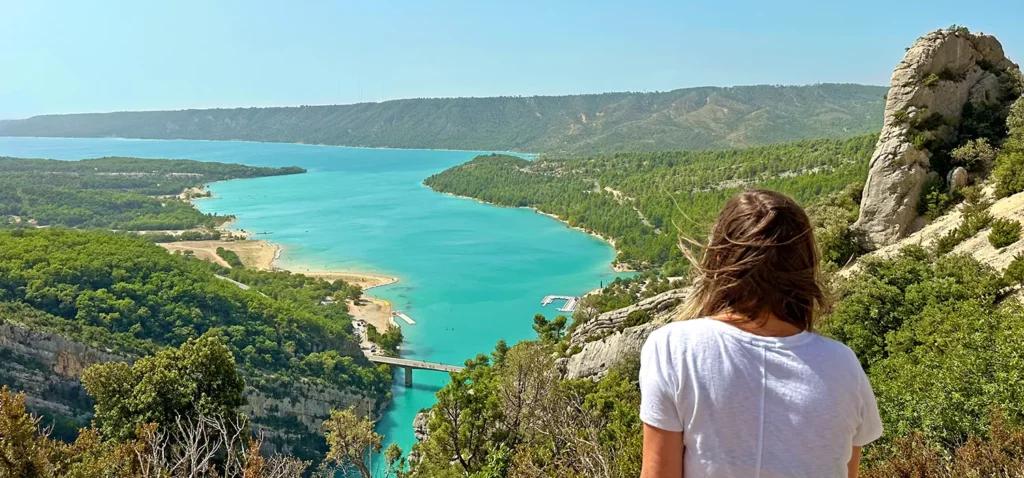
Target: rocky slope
<point x="48" y="368"/>
<point x="1011" y="207"/>
<point x="941" y="73"/>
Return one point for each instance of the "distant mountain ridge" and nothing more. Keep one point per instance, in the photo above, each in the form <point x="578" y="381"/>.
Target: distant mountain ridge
<point x="689" y="118"/>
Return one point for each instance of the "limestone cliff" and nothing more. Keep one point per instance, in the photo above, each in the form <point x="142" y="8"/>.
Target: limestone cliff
<point x="940" y="74"/>
<point x="604" y="341"/>
<point x="48" y="366"/>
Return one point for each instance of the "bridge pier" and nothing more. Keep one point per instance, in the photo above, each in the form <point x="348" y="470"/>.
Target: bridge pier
<point x="408" y="376"/>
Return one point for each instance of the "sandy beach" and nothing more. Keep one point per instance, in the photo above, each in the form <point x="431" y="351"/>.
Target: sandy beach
<point x="363" y="280"/>
<point x="376" y="312"/>
<point x="261" y="254"/>
<point x="254" y="254"/>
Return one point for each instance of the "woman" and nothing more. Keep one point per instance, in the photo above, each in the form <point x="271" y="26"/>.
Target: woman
<point x="748" y="390"/>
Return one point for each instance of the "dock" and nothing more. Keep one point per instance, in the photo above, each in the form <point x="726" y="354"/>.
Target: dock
<point x="401" y="315"/>
<point x="570" y="302"/>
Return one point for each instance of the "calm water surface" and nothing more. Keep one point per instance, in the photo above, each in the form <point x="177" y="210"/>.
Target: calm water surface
<point x="471" y="274"/>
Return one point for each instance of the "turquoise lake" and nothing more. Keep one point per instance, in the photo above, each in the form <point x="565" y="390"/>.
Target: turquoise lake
<point x="470" y="274"/>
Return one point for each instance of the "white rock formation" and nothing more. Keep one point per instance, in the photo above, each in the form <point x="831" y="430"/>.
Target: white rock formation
<point x="941" y="73"/>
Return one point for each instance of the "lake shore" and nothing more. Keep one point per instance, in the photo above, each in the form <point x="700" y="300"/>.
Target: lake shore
<point x="263" y="254"/>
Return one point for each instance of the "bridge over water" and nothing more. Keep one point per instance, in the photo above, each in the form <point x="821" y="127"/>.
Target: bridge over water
<point x="409" y="365"/>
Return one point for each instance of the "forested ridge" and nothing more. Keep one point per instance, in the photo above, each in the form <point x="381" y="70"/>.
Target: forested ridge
<point x="125" y="295"/>
<point x="644" y="200"/>
<point x="114" y="193"/>
<point x="689" y="118"/>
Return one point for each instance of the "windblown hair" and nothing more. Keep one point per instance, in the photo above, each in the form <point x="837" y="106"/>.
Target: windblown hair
<point x="761" y="260"/>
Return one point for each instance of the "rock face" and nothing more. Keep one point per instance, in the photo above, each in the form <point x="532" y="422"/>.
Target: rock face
<point x="938" y="76"/>
<point x="659" y="307"/>
<point x="419" y="425"/>
<point x="599" y="356"/>
<point x="604" y="342"/>
<point x="48" y="366"/>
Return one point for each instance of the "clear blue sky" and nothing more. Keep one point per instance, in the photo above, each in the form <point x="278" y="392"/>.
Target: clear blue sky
<point x="70" y="56"/>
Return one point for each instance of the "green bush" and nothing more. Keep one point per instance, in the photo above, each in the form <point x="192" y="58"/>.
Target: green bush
<point x="1015" y="271"/>
<point x="919" y="140"/>
<point x="1004" y="232"/>
<point x="901" y="117"/>
<point x="637" y="317"/>
<point x="941" y="350"/>
<point x="930" y="80"/>
<point x="230" y="257"/>
<point x="974" y="154"/>
<point x="935" y="200"/>
<point x="975" y="218"/>
<point x="1009" y="170"/>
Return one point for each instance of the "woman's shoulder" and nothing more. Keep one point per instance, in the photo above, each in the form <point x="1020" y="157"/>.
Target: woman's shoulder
<point x="682" y="330"/>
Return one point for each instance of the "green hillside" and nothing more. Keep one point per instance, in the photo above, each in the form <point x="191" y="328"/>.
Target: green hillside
<point x="642" y="200"/>
<point x="689" y="118"/>
<point x="115" y="193"/>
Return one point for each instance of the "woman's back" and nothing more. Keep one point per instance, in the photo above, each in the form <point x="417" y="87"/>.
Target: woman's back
<point x="751" y="391"/>
<point x="755" y="406"/>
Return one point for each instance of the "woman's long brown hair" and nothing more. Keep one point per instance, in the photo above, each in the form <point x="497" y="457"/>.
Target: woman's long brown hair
<point x="761" y="260"/>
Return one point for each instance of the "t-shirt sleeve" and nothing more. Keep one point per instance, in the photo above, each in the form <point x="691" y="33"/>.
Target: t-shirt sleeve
<point x="870" y="422"/>
<point x="658" y="385"/>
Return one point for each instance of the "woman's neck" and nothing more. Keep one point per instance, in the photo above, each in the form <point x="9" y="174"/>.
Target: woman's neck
<point x="766" y="326"/>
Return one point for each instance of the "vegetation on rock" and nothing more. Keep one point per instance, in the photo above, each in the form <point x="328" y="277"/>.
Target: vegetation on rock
<point x="1004" y="232"/>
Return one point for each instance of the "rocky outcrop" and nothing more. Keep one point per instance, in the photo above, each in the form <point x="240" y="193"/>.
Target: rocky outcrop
<point x="419" y="425"/>
<point x="306" y="403"/>
<point x="48" y="366"/>
<point x="597" y="357"/>
<point x="659" y="308"/>
<point x="940" y="74"/>
<point x="605" y="340"/>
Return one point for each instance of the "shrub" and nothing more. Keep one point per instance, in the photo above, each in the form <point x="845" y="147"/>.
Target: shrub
<point x="1015" y="271"/>
<point x="928" y="123"/>
<point x="935" y="201"/>
<point x="1004" y="232"/>
<point x="637" y="317"/>
<point x="230" y="257"/>
<point x="1001" y="453"/>
<point x="1009" y="170"/>
<point x="901" y="117"/>
<point x="920" y="141"/>
<point x="974" y="154"/>
<point x="948" y="75"/>
<point x="975" y="218"/>
<point x="959" y="29"/>
<point x="930" y="80"/>
<point x="945" y="243"/>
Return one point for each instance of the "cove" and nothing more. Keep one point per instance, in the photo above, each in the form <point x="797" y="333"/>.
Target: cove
<point x="470" y="274"/>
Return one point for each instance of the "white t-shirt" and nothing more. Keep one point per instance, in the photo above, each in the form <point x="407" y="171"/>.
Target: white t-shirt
<point x="756" y="407"/>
